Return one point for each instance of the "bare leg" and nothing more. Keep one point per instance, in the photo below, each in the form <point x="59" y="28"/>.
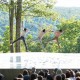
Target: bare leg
<point x="55" y="39"/>
<point x="58" y="42"/>
<point x="41" y="43"/>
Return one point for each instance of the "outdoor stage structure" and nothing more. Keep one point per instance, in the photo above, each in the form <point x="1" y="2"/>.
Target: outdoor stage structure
<point x="39" y="60"/>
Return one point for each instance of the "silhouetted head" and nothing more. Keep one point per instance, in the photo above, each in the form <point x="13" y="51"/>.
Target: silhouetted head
<point x="63" y="76"/>
<point x="20" y="75"/>
<point x="78" y="78"/>
<point x="72" y="73"/>
<point x="33" y="69"/>
<point x="25" y="72"/>
<point x="25" y="29"/>
<point x="76" y="70"/>
<point x="1" y="76"/>
<point x="58" y="77"/>
<point x="59" y="71"/>
<point x="43" y="30"/>
<point x="40" y="77"/>
<point x="33" y="76"/>
<point x="67" y="74"/>
<point x="41" y="73"/>
<point x="60" y="30"/>
<point x="49" y="77"/>
<point x="77" y="74"/>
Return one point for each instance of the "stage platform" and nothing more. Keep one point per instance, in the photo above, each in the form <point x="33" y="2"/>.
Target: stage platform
<point x="39" y="60"/>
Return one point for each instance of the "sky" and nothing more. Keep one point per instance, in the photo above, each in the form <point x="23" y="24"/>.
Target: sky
<point x="67" y="3"/>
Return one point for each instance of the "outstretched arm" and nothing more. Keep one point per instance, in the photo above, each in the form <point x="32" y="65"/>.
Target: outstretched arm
<point x="50" y="31"/>
<point x="53" y="30"/>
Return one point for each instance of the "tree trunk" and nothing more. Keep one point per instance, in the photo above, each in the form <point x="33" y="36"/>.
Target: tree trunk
<point x="11" y="18"/>
<point x="78" y="45"/>
<point x="18" y="23"/>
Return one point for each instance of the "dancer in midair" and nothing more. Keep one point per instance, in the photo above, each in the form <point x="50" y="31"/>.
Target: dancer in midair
<point x="56" y="34"/>
<point x="22" y="37"/>
<point x="41" y="35"/>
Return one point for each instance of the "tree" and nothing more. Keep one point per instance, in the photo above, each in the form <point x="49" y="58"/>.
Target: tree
<point x="11" y="21"/>
<point x="18" y="23"/>
<point x="32" y="8"/>
<point x="39" y="8"/>
<point x="35" y="8"/>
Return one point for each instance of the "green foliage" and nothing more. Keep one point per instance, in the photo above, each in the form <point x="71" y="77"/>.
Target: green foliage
<point x="4" y="7"/>
<point x="39" y="8"/>
<point x="0" y="46"/>
<point x="68" y="40"/>
<point x="6" y="44"/>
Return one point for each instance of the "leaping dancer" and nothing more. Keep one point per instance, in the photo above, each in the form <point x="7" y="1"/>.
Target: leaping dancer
<point x="41" y="35"/>
<point x="22" y="37"/>
<point x="56" y="35"/>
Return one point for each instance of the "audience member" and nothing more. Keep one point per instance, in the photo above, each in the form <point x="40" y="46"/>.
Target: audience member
<point x="33" y="76"/>
<point x="20" y="76"/>
<point x="26" y="75"/>
<point x="1" y="76"/>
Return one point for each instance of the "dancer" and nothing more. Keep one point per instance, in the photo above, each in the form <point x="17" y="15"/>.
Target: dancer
<point x="22" y="37"/>
<point x="41" y="35"/>
<point x="56" y="35"/>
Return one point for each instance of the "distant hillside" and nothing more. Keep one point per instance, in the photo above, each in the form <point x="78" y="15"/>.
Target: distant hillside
<point x="4" y="21"/>
<point x="68" y="12"/>
<point x="33" y="26"/>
